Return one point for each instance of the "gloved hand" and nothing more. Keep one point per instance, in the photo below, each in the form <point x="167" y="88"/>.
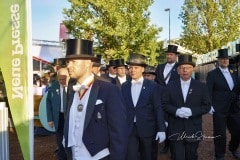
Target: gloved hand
<point x="166" y="124"/>
<point x="211" y="110"/>
<point x="63" y="142"/>
<point x="187" y="112"/>
<point x="161" y="136"/>
<point x="180" y="113"/>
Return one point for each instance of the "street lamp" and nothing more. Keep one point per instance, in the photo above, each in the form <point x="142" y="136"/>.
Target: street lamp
<point x="168" y="10"/>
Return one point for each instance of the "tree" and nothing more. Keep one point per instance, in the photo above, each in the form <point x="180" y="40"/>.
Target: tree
<point x="209" y="24"/>
<point x="117" y="27"/>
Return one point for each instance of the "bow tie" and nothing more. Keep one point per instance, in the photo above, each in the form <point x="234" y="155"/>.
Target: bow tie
<point x="185" y="83"/>
<point x="79" y="87"/>
<point x="136" y="82"/>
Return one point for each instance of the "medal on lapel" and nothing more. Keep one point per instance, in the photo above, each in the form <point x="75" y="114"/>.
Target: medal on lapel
<point x="80" y="107"/>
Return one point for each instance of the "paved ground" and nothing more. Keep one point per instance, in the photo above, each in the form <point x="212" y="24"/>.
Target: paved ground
<point x="44" y="146"/>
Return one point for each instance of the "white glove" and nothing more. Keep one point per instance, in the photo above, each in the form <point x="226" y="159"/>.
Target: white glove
<point x="63" y="142"/>
<point x="211" y="110"/>
<point x="187" y="112"/>
<point x="180" y="113"/>
<point x="166" y="124"/>
<point x="161" y="136"/>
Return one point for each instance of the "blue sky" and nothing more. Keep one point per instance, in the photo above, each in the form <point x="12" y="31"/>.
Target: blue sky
<point x="47" y="15"/>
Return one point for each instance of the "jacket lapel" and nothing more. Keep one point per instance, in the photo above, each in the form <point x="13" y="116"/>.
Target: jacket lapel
<point x="70" y="94"/>
<point x="91" y="102"/>
<point x="179" y="90"/>
<point x="224" y="79"/>
<point x="143" y="93"/>
<point x="128" y="93"/>
<point x="190" y="90"/>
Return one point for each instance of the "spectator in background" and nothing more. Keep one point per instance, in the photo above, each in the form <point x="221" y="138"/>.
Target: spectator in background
<point x="57" y="64"/>
<point x="97" y="65"/>
<point x="112" y="72"/>
<point x="121" y="68"/>
<point x="56" y="107"/>
<point x="149" y="73"/>
<point x="224" y="88"/>
<point x="165" y="73"/>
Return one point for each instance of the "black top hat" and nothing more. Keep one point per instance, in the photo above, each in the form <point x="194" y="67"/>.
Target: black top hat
<point x="185" y="59"/>
<point x="97" y="63"/>
<point x="149" y="70"/>
<point x="111" y="63"/>
<point x="172" y="49"/>
<point x="223" y="53"/>
<point x="59" y="61"/>
<point x="136" y="59"/>
<point x="79" y="49"/>
<point x="120" y="62"/>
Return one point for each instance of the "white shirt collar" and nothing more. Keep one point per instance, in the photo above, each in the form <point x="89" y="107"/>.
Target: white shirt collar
<point x="223" y="69"/>
<point x="185" y="82"/>
<point x="170" y="64"/>
<point x="138" y="81"/>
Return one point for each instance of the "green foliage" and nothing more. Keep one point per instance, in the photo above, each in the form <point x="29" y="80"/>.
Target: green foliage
<point x="209" y="24"/>
<point x="118" y="28"/>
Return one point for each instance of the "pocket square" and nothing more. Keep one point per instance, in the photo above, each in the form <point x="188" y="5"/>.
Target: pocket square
<point x="99" y="101"/>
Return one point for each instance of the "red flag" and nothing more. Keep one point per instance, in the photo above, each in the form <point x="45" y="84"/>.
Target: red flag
<point x="63" y="34"/>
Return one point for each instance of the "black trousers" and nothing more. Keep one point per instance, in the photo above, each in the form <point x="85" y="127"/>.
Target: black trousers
<point x="181" y="150"/>
<point x="59" y="133"/>
<point x="220" y="123"/>
<point x="140" y="148"/>
<point x="69" y="155"/>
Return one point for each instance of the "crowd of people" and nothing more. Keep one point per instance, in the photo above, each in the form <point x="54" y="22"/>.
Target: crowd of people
<point x="123" y="111"/>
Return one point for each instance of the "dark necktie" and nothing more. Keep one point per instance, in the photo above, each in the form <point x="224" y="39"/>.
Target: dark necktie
<point x="64" y="100"/>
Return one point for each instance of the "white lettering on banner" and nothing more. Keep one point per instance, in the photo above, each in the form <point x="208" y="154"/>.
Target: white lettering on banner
<point x="17" y="90"/>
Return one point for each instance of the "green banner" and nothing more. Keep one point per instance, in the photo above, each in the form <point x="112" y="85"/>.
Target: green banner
<point x="15" y="60"/>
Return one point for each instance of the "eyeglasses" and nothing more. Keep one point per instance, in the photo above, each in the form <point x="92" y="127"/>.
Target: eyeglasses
<point x="186" y="68"/>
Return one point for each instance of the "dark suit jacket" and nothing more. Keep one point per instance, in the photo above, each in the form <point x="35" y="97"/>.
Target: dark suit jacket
<point x="223" y="99"/>
<point x="117" y="82"/>
<point x="197" y="100"/>
<point x="160" y="77"/>
<point x="53" y="103"/>
<point x="110" y="79"/>
<point x="107" y="132"/>
<point x="148" y="110"/>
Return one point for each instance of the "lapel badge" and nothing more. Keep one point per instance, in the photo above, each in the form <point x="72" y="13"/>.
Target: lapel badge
<point x="144" y="87"/>
<point x="80" y="107"/>
<point x="99" y="116"/>
<point x="190" y="91"/>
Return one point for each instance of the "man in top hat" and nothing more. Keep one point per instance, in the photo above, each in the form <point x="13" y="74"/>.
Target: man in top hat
<point x="95" y="124"/>
<point x="149" y="73"/>
<point x="96" y="65"/>
<point x="122" y="76"/>
<point x="165" y="73"/>
<point x="224" y="87"/>
<point x="168" y="71"/>
<point x="57" y="64"/>
<point x="185" y="100"/>
<point x="145" y="115"/>
<point x="112" y="73"/>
